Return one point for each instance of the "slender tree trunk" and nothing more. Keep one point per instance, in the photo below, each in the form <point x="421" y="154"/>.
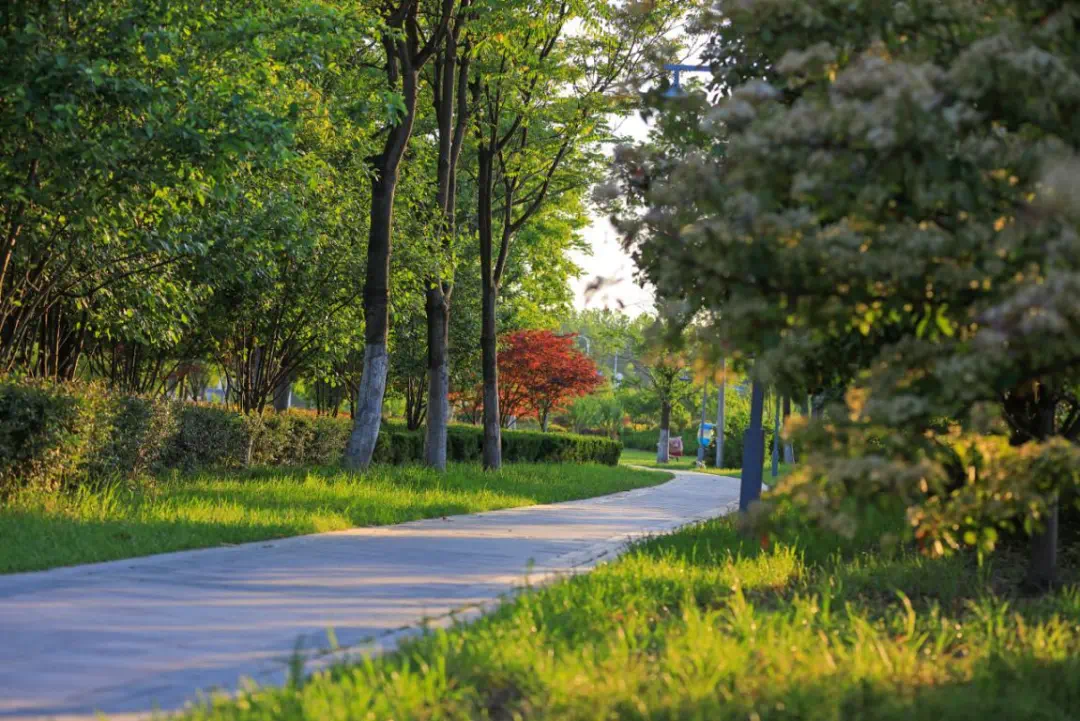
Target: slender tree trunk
<point x="665" y="432"/>
<point x="438" y="409"/>
<point x="490" y="365"/>
<point x="369" y="401"/>
<point x="720" y="402"/>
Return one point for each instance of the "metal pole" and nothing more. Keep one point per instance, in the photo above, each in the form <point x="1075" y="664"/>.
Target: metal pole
<point x="720" y="414"/>
<point x="701" y="428"/>
<point x="753" y="464"/>
<point x="615" y="370"/>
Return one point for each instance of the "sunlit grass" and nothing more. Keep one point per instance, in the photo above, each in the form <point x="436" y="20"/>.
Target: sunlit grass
<point x="41" y="530"/>
<point x="705" y="624"/>
<point x="647" y="459"/>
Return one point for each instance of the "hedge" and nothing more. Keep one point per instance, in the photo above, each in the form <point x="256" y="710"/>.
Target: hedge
<point x="56" y="433"/>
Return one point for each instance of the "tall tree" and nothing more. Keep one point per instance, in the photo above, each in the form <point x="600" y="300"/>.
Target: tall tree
<point x="117" y="122"/>
<point x="451" y="102"/>
<point x="542" y="96"/>
<point x="405" y="51"/>
<point x="896" y="197"/>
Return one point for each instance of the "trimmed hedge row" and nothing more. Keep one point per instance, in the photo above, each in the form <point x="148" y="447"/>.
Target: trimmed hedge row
<point x="51" y="434"/>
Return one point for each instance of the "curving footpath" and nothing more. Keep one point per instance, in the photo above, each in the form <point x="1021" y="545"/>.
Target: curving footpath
<point x="129" y="637"/>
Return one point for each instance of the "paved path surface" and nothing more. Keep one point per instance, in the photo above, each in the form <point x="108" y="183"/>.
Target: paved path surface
<point x="126" y="637"/>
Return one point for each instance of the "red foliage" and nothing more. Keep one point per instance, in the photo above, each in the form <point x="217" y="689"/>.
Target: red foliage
<point x="539" y="373"/>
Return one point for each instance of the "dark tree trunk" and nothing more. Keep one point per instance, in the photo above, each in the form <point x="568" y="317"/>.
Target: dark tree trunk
<point x="490" y="366"/>
<point x="452" y="115"/>
<point x="1042" y="569"/>
<point x="753" y="459"/>
<point x="438" y="403"/>
<point x="369" y="402"/>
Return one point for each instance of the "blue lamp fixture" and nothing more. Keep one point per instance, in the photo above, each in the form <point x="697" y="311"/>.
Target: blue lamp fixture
<point x="677" y="68"/>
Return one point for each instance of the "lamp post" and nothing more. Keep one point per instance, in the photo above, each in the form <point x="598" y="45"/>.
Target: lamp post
<point x="701" y="428"/>
<point x="720" y="393"/>
<point x="677" y="69"/>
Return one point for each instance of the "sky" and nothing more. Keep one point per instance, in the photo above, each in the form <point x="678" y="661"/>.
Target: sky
<point x="608" y="259"/>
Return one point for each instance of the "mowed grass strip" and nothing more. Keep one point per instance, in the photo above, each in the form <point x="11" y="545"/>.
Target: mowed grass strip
<point x="647" y="459"/>
<point x="705" y="625"/>
<point x="40" y="530"/>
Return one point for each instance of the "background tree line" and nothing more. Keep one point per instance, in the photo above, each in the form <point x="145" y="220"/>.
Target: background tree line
<point x="357" y="196"/>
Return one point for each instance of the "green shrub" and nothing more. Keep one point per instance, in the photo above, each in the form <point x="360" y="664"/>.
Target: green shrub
<point x="52" y="434"/>
<point x="208" y="436"/>
<point x="138" y="438"/>
<point x="466" y="444"/>
<point x="642" y="440"/>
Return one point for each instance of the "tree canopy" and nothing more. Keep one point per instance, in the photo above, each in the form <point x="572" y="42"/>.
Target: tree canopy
<point x="886" y="198"/>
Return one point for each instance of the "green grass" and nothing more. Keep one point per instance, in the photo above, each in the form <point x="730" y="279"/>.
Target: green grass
<point x="40" y="530"/>
<point x="647" y="459"/>
<point x="704" y="624"/>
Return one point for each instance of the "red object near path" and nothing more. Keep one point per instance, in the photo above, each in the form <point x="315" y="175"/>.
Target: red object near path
<point x="675" y="447"/>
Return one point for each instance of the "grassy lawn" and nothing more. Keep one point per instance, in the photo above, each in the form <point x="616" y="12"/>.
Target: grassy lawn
<point x="647" y="459"/>
<point x="705" y="625"/>
<point x="40" y="530"/>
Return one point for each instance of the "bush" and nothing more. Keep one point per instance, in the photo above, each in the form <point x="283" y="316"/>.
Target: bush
<point x="466" y="444"/>
<point x="52" y="434"/>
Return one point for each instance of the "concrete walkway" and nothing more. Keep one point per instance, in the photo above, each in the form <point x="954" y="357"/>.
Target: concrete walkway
<point x="128" y="637"/>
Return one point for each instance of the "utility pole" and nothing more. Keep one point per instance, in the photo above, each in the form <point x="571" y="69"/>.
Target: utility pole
<point x="720" y="414"/>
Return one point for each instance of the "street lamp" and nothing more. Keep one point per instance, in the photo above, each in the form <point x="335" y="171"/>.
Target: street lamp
<point x="676" y="90"/>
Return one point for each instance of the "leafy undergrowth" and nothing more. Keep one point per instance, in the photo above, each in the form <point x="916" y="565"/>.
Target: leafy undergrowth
<point x="41" y="530"/>
<point x="705" y="625"/>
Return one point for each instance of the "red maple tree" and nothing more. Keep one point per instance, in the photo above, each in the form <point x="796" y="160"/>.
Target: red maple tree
<point x="539" y="372"/>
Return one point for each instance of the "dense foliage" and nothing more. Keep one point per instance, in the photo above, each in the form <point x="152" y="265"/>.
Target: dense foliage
<point x="885" y="199"/>
<point x="204" y="195"/>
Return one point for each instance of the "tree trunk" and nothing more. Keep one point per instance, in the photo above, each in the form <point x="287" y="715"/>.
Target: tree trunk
<point x="438" y="406"/>
<point x="1042" y="568"/>
<point x="543" y="421"/>
<point x="283" y="396"/>
<point x="369" y="400"/>
<point x="789" y="449"/>
<point x="753" y="459"/>
<point x="489" y="363"/>
<point x="720" y="402"/>
<point x="368" y="408"/>
<point x="665" y="432"/>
